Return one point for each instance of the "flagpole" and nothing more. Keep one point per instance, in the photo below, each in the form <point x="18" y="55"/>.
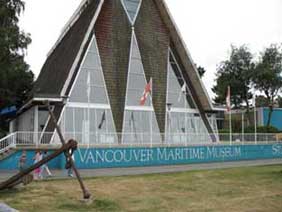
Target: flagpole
<point x="88" y="109"/>
<point x="152" y="111"/>
<point x="185" y="101"/>
<point x="230" y="127"/>
<point x="243" y="126"/>
<point x="228" y="106"/>
<point x="255" y="119"/>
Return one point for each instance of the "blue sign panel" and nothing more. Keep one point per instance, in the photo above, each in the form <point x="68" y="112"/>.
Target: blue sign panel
<point x="94" y="158"/>
<point x="131" y="157"/>
<point x="12" y="162"/>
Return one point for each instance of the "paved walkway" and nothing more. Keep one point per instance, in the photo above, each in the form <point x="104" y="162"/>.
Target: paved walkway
<point x="61" y="174"/>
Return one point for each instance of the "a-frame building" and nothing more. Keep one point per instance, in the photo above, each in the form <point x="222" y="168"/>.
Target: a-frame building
<point x="96" y="73"/>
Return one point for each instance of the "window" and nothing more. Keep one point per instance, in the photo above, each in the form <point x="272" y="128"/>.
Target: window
<point x="88" y="116"/>
<point x="184" y="124"/>
<point x="132" y="7"/>
<point x="140" y="123"/>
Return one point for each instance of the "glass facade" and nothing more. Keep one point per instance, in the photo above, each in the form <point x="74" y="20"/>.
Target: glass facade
<point x="89" y="125"/>
<point x="184" y="124"/>
<point x="140" y="124"/>
<point x="132" y="7"/>
<point x="88" y="116"/>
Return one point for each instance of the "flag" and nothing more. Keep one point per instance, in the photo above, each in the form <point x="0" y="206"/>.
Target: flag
<point x="183" y="91"/>
<point x="146" y="93"/>
<point x="132" y="125"/>
<point x="131" y="120"/>
<point x="228" y="102"/>
<point x="102" y="120"/>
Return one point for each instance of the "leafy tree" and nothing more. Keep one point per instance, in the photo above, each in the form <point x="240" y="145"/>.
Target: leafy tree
<point x="267" y="77"/>
<point x="15" y="77"/>
<point x="261" y="101"/>
<point x="201" y="71"/>
<point x="235" y="72"/>
<point x="279" y="101"/>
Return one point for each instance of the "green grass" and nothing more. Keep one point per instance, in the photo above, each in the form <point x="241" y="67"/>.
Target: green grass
<point x="238" y="189"/>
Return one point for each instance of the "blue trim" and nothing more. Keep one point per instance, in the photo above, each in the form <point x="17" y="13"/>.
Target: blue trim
<point x="276" y="118"/>
<point x="95" y="158"/>
<point x="9" y="111"/>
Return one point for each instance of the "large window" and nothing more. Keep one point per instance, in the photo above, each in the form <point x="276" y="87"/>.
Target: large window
<point x="132" y="7"/>
<point x="184" y="125"/>
<point x="88" y="116"/>
<point x="89" y="125"/>
<point x="140" y="125"/>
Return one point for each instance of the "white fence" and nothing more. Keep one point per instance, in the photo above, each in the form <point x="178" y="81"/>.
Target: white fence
<point x="141" y="139"/>
<point x="8" y="142"/>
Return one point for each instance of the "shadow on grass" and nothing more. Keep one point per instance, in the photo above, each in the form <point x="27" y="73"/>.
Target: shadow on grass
<point x="97" y="205"/>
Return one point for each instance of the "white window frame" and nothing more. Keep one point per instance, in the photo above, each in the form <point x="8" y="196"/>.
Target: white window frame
<point x="177" y="109"/>
<point x="137" y="108"/>
<point x="88" y="105"/>
<point x="137" y="11"/>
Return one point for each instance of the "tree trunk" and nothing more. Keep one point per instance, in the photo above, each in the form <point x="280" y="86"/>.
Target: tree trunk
<point x="269" y="115"/>
<point x="248" y="113"/>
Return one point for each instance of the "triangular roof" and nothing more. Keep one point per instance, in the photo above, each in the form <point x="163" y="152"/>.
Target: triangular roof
<point x="64" y="57"/>
<point x="63" y="62"/>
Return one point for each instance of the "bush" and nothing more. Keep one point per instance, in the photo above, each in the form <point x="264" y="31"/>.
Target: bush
<point x="262" y="129"/>
<point x="223" y="131"/>
<point x="251" y="129"/>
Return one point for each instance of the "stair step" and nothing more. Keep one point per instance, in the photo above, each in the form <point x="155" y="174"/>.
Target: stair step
<point x="7" y="153"/>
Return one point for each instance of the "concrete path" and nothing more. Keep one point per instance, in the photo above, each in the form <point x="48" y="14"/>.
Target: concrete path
<point x="6" y="208"/>
<point x="61" y="174"/>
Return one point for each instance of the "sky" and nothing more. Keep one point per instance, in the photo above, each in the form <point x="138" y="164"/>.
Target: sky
<point x="207" y="27"/>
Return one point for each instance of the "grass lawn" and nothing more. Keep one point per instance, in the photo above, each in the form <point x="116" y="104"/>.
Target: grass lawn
<point x="239" y="189"/>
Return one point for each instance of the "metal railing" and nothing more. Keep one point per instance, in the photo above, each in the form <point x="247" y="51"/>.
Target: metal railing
<point x="33" y="138"/>
<point x="7" y="142"/>
<point x="172" y="139"/>
<point x="22" y="139"/>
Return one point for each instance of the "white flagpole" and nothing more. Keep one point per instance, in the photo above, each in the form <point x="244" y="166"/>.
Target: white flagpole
<point x="228" y="104"/>
<point x="243" y="126"/>
<point x="230" y="126"/>
<point x="88" y="109"/>
<point x="186" y="107"/>
<point x="151" y="81"/>
<point x="255" y="118"/>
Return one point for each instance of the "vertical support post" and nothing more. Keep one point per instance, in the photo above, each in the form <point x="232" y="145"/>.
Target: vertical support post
<point x="151" y="81"/>
<point x="243" y="126"/>
<point x="185" y="119"/>
<point x="14" y="139"/>
<point x="255" y="119"/>
<point x="230" y="127"/>
<point x="151" y="129"/>
<point x="35" y="128"/>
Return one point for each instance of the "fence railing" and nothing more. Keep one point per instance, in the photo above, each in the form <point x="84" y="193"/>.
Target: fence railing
<point x="7" y="142"/>
<point x="171" y="138"/>
<point x="136" y="139"/>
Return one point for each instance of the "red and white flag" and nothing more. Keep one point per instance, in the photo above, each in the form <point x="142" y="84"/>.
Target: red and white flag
<point x="146" y="93"/>
<point x="228" y="101"/>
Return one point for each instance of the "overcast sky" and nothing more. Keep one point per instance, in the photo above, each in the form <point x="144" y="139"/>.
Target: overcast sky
<point x="208" y="27"/>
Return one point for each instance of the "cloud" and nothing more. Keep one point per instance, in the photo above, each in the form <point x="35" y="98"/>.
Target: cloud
<point x="207" y="27"/>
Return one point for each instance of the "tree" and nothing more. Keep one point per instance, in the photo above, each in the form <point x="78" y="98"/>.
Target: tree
<point x="279" y="101"/>
<point x="201" y="71"/>
<point x="16" y="79"/>
<point x="267" y="77"/>
<point x="235" y="72"/>
<point x="261" y="101"/>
